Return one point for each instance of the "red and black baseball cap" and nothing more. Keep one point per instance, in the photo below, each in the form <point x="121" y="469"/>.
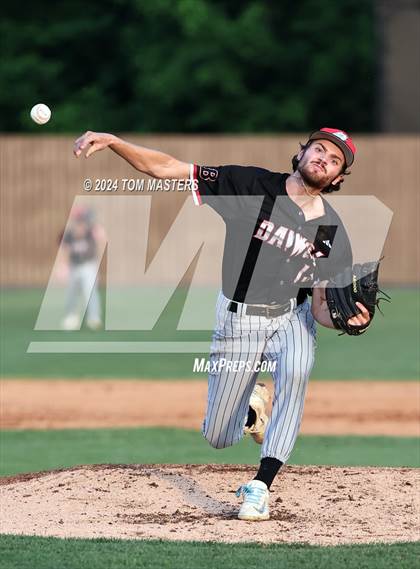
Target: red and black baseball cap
<point x="340" y="139"/>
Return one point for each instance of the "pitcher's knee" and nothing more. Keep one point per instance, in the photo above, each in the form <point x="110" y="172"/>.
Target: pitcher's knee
<point x="216" y="439"/>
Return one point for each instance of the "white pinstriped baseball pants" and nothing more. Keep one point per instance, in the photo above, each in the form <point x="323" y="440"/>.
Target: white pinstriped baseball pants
<point x="83" y="282"/>
<point x="288" y="340"/>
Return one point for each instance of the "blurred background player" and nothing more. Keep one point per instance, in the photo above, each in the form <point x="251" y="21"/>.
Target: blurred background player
<point x="79" y="262"/>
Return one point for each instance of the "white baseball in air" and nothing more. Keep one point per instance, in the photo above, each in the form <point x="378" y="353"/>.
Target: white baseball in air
<point x="40" y="113"/>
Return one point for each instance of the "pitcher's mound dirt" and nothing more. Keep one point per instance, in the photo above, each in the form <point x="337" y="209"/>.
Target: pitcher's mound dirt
<point x="316" y="505"/>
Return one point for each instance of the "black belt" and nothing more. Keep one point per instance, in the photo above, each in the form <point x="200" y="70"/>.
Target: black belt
<point x="263" y="310"/>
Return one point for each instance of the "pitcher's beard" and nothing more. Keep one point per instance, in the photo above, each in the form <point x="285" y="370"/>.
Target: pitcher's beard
<point x="316" y="180"/>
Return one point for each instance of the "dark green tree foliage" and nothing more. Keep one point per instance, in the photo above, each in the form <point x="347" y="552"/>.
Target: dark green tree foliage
<point x="188" y="65"/>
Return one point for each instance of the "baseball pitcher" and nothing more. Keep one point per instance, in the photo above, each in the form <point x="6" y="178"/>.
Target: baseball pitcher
<point x="287" y="265"/>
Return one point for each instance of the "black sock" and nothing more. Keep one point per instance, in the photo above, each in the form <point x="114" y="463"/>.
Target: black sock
<point x="268" y="469"/>
<point x="252" y="417"/>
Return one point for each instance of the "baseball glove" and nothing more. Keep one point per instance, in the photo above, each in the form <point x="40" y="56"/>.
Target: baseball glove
<point x="342" y="297"/>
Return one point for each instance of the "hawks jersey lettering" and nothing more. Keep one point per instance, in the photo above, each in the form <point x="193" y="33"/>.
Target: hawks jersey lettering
<point x="271" y="251"/>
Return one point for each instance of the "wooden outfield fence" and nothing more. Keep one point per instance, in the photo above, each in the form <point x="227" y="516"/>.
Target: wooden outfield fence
<point x="40" y="179"/>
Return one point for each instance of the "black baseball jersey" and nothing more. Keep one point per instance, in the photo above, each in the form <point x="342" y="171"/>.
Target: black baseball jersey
<point x="271" y="253"/>
<point x="81" y="249"/>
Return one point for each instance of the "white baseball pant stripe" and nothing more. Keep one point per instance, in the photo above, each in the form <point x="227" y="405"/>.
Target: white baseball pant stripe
<point x="289" y="342"/>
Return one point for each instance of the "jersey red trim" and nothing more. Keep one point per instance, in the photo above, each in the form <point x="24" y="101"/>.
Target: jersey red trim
<point x="194" y="180"/>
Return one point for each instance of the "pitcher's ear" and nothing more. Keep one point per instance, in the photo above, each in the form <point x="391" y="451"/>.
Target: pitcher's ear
<point x="338" y="180"/>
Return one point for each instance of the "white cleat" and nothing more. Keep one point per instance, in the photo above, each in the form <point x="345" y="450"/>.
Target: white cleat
<point x="255" y="505"/>
<point x="94" y="324"/>
<point x="259" y="399"/>
<point x="71" y="322"/>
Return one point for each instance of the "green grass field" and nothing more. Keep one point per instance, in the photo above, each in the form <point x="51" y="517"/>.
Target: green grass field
<point x="389" y="350"/>
<point x="50" y="553"/>
<point x="29" y="451"/>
